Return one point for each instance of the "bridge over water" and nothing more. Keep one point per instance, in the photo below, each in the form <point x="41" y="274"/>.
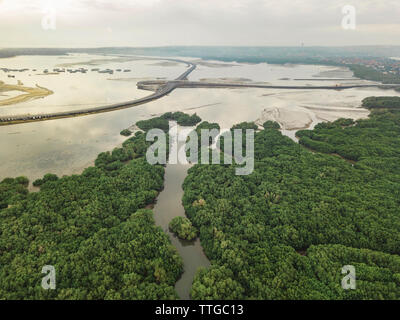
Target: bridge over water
<point x="163" y="88"/>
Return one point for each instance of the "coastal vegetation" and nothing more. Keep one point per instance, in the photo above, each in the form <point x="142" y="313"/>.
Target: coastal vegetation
<point x="287" y="230"/>
<point x="369" y="140"/>
<point x="92" y="228"/>
<point x="283" y="232"/>
<point x="162" y="122"/>
<point x="381" y="102"/>
<point x="12" y="191"/>
<point x="182" y="119"/>
<point x="46" y="178"/>
<point x="245" y="126"/>
<point x="367" y="73"/>
<point x="271" y="125"/>
<point x="214" y="130"/>
<point x="183" y="228"/>
<point x="125" y="133"/>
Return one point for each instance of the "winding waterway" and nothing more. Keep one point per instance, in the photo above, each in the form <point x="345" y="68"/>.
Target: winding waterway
<point x="168" y="206"/>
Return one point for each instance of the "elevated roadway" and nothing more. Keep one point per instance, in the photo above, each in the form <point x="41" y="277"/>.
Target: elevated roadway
<point x="163" y="88"/>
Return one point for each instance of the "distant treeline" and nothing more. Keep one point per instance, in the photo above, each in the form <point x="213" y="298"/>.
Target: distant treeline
<point x="233" y="53"/>
<point x="271" y="55"/>
<point x="7" y="53"/>
<point x="300" y="54"/>
<point x="381" y="102"/>
<point x="371" y="74"/>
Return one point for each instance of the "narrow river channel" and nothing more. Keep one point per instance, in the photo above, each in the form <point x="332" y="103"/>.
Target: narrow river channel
<point x="168" y="206"/>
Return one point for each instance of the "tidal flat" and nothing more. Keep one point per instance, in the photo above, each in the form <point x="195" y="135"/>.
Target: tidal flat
<point x="67" y="146"/>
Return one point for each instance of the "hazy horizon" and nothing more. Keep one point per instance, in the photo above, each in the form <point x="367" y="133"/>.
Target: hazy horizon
<point x="200" y="46"/>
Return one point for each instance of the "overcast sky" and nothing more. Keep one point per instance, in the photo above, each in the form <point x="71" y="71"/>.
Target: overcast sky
<point x="92" y="23"/>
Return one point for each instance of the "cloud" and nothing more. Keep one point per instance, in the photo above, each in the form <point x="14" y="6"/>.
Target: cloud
<point x="194" y="22"/>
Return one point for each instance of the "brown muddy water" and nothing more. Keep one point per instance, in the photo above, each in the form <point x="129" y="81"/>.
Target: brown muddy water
<point x="168" y="206"/>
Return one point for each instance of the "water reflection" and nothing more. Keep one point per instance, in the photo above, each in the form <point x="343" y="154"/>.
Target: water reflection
<point x="66" y="146"/>
<point x="77" y="90"/>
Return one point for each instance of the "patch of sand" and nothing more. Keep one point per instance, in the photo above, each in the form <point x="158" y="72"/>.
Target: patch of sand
<point x="332" y="115"/>
<point x="336" y="72"/>
<point x="292" y="117"/>
<point x="289" y="117"/>
<point x="30" y="93"/>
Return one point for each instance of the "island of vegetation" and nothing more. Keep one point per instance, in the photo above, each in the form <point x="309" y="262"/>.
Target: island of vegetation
<point x="125" y="133"/>
<point x="183" y="228"/>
